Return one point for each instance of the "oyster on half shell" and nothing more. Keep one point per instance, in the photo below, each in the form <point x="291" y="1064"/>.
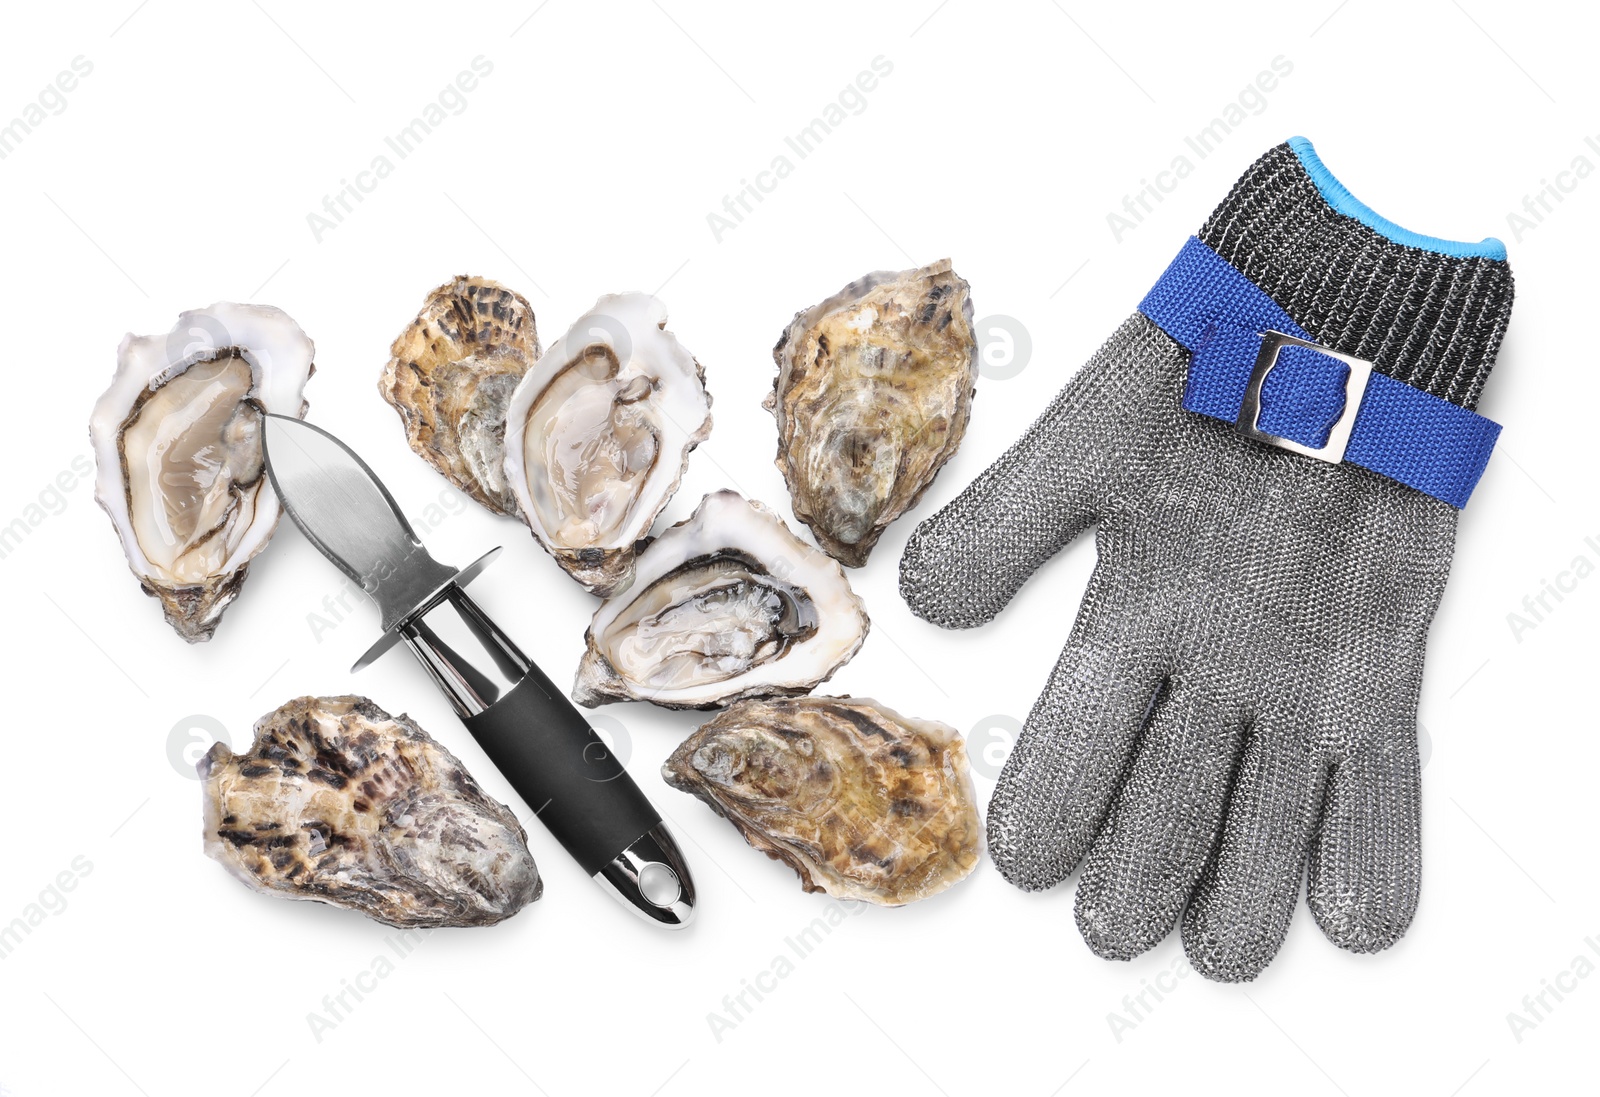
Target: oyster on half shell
<point x="450" y="376"/>
<point x="598" y="434"/>
<point x="862" y="802"/>
<point x="177" y="445"/>
<point x="872" y="397"/>
<point x="726" y="604"/>
<point x="339" y="802"/>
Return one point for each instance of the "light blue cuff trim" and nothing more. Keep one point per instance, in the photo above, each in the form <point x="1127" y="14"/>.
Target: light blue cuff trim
<point x="1340" y="198"/>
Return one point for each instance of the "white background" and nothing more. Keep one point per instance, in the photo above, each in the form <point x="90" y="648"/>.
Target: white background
<point x="181" y="172"/>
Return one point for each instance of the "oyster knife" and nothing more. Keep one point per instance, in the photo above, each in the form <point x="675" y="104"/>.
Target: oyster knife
<point x="536" y="737"/>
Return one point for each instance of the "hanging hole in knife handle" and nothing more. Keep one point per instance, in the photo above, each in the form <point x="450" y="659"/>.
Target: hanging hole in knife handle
<point x="651" y="878"/>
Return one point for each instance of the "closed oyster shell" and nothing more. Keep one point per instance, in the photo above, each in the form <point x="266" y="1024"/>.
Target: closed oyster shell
<point x="450" y="376"/>
<point x="727" y="604"/>
<point x="598" y="434"/>
<point x="862" y="802"/>
<point x="339" y="802"/>
<point x="177" y="445"/>
<point x="872" y="397"/>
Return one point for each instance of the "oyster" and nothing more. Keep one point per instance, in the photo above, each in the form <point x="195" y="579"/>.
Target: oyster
<point x="873" y="393"/>
<point x="727" y="604"/>
<point x="340" y="802"/>
<point x="598" y="434"/>
<point x="450" y="376"/>
<point x="177" y="444"/>
<point x="862" y="802"/>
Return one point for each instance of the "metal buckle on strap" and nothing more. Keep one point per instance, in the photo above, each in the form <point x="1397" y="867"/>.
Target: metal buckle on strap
<point x="1355" y="386"/>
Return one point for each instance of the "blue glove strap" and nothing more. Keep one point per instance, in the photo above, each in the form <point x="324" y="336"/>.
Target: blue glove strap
<point x="1400" y="432"/>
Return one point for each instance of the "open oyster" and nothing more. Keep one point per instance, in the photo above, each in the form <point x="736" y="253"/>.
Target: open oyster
<point x="450" y="376"/>
<point x="339" y="802"/>
<point x="727" y="604"/>
<point x="862" y="802"/>
<point x="873" y="393"/>
<point x="598" y="434"/>
<point x="177" y="444"/>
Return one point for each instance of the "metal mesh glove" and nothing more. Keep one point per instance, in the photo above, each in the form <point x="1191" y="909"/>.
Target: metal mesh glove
<point x="1238" y="695"/>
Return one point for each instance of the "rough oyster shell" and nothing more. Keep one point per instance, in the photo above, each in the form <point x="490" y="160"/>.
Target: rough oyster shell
<point x="339" y="802"/>
<point x="177" y="445"/>
<point x="598" y="434"/>
<point x="727" y="604"/>
<point x="862" y="802"/>
<point x="872" y="397"/>
<point x="450" y="376"/>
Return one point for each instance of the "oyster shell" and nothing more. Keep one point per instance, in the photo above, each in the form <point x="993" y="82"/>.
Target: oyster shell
<point x="862" y="802"/>
<point x="727" y="604"/>
<point x="873" y="394"/>
<point x="339" y="802"/>
<point x="598" y="434"/>
<point x="177" y="445"/>
<point x="450" y="376"/>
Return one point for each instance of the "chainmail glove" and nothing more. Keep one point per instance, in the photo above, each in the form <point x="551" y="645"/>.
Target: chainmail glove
<point x="1235" y="709"/>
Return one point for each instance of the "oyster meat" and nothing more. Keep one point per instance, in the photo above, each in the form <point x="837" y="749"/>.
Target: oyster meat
<point x="873" y="394"/>
<point x="177" y="445"/>
<point x="598" y="433"/>
<point x="339" y="802"/>
<point x="727" y="604"/>
<point x="862" y="802"/>
<point x="450" y="376"/>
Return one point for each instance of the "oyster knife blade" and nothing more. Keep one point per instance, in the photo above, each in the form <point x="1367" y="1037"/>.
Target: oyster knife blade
<point x="343" y="509"/>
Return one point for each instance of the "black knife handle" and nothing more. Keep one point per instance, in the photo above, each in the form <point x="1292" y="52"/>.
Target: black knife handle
<point x="565" y="773"/>
<point x="536" y="737"/>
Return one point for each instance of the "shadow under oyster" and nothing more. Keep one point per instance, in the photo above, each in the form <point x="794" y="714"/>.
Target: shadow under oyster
<point x="727" y="604"/>
<point x="450" y="376"/>
<point x="873" y="394"/>
<point x="861" y="802"/>
<point x="180" y="467"/>
<point x="339" y="802"/>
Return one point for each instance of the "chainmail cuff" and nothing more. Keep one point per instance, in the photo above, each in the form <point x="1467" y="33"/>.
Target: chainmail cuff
<point x="1430" y="313"/>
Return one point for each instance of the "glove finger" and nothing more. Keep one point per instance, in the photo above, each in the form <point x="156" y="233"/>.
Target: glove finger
<point x="1070" y="758"/>
<point x="1240" y="913"/>
<point x="963" y="565"/>
<point x="1160" y="832"/>
<point x="1366" y="863"/>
